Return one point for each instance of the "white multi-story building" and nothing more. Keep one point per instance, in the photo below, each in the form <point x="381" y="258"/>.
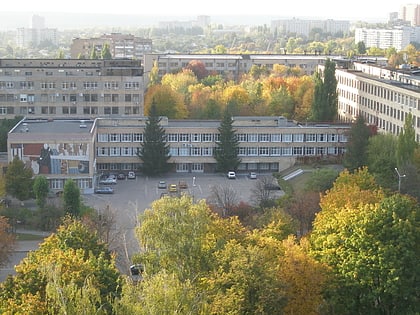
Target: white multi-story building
<point x="304" y="27"/>
<point x="398" y="38"/>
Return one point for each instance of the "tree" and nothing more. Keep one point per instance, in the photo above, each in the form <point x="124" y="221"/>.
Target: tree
<point x="198" y="68"/>
<point x="7" y="240"/>
<point x="41" y="188"/>
<point x="106" y="53"/>
<point x="356" y="150"/>
<point x="71" y="273"/>
<point x="226" y="153"/>
<point x="321" y="180"/>
<point x="154" y="75"/>
<point x="406" y="143"/>
<point x="154" y="150"/>
<point x="373" y="251"/>
<point x="19" y="179"/>
<point x="382" y="159"/>
<point x="71" y="198"/>
<point x="361" y="48"/>
<point x="324" y="107"/>
<point x="168" y="102"/>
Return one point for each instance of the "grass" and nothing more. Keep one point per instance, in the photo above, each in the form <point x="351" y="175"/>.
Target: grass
<point x="28" y="237"/>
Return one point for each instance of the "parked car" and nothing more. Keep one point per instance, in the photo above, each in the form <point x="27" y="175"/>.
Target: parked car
<point x="162" y="184"/>
<point x="231" y="175"/>
<point x="253" y="175"/>
<point x="121" y="176"/>
<point x="108" y="181"/>
<point x="131" y="175"/>
<point x="104" y="190"/>
<point x="173" y="188"/>
<point x="182" y="184"/>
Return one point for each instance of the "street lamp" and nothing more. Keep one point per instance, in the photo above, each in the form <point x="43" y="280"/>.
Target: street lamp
<point x="399" y="179"/>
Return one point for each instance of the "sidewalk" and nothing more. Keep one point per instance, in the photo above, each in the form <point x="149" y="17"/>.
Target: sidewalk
<point x="22" y="248"/>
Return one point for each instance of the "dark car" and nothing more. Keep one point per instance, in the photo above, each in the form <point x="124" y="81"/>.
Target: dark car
<point x="104" y="190"/>
<point x="121" y="176"/>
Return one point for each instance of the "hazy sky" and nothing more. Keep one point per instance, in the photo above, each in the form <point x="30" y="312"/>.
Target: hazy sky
<point x="355" y="9"/>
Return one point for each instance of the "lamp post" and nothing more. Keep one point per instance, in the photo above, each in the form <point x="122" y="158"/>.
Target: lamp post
<point x="399" y="179"/>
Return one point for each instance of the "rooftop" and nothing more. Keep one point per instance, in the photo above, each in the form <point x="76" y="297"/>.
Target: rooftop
<point x="53" y="126"/>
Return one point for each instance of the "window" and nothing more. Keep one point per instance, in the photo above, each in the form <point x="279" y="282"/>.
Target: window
<point x="252" y="152"/>
<point x="287" y="137"/>
<point x="286" y="151"/>
<point x="264" y="137"/>
<point x="172" y="137"/>
<point x="241" y="137"/>
<point x="195" y="151"/>
<point x="126" y="137"/>
<point x="206" y="137"/>
<point x="252" y="137"/>
<point x="242" y="151"/>
<point x="297" y="151"/>
<point x="184" y="137"/>
<point x="207" y="151"/>
<point x="276" y="151"/>
<point x="263" y="151"/>
<point x="102" y="151"/>
<point x="114" y="151"/>
<point x="126" y="151"/>
<point x="310" y="137"/>
<point x="114" y="137"/>
<point x="137" y="137"/>
<point x="102" y="137"/>
<point x="196" y="137"/>
<point x="298" y="137"/>
<point x="173" y="151"/>
<point x="276" y="137"/>
<point x="56" y="183"/>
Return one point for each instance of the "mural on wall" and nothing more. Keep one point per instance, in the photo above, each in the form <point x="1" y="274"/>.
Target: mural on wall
<point x="62" y="158"/>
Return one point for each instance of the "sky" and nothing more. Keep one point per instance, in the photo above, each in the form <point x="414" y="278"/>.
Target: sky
<point x="355" y="9"/>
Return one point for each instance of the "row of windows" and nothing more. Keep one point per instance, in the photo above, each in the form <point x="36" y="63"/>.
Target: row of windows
<point x="70" y="110"/>
<point x="243" y="137"/>
<point x="242" y="151"/>
<point x="82" y="97"/>
<point x="82" y="183"/>
<point x="86" y="85"/>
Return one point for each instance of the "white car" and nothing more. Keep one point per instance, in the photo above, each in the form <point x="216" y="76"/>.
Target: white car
<point x="231" y="175"/>
<point x="253" y="175"/>
<point x="131" y="175"/>
<point x="108" y="181"/>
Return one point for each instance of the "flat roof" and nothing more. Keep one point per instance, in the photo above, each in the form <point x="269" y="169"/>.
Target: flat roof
<point x="53" y="126"/>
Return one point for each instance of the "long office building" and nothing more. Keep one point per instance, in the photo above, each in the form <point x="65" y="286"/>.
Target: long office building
<point x="70" y="88"/>
<point x="383" y="96"/>
<point x="84" y="149"/>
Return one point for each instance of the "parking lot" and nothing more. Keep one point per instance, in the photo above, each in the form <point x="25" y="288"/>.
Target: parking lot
<point x="132" y="196"/>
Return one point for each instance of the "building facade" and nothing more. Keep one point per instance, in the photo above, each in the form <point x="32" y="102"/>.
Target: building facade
<point x="399" y="38"/>
<point x="121" y="46"/>
<point x="70" y="88"/>
<point x="83" y="150"/>
<point x="383" y="96"/>
<point x="304" y="27"/>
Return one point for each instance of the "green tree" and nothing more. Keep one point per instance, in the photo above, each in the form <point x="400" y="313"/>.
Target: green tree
<point x="154" y="150"/>
<point x="226" y="153"/>
<point x="71" y="198"/>
<point x="106" y="52"/>
<point x="370" y="243"/>
<point x="5" y="126"/>
<point x="41" y="188"/>
<point x="382" y="160"/>
<point x="361" y="48"/>
<point x="356" y="150"/>
<point x="324" y="107"/>
<point x="154" y="75"/>
<point x="406" y="143"/>
<point x="7" y="240"/>
<point x="321" y="180"/>
<point x="93" y="54"/>
<point x="19" y="180"/>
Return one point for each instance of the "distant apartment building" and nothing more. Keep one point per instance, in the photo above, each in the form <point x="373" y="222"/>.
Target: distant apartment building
<point x="36" y="34"/>
<point x="398" y="38"/>
<point x="122" y="46"/>
<point x="304" y="27"/>
<point x="70" y="88"/>
<point x="383" y="96"/>
<point x="231" y="65"/>
<point x="202" y="21"/>
<point x="410" y="13"/>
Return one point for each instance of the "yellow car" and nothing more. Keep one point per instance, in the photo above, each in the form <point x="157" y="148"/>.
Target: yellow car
<point x="173" y="188"/>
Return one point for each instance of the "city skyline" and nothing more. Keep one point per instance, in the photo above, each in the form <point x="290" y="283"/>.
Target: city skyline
<point x="356" y="10"/>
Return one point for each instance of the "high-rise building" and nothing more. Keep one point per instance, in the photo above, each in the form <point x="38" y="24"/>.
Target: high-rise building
<point x="36" y="34"/>
<point x="410" y="13"/>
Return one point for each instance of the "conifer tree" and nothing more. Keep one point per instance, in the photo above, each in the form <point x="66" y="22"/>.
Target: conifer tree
<point x="154" y="151"/>
<point x="226" y="153"/>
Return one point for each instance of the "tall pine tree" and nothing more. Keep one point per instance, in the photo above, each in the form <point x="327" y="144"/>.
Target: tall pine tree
<point x="154" y="151"/>
<point x="226" y="153"/>
<point x="324" y="107"/>
<point x="356" y="151"/>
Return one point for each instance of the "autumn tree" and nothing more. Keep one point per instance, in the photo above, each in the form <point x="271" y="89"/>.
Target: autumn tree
<point x="226" y="153"/>
<point x="324" y="107"/>
<point x="168" y="102"/>
<point x="368" y="240"/>
<point x="154" y="75"/>
<point x="154" y="150"/>
<point x="19" y="179"/>
<point x="71" y="273"/>
<point x="198" y="68"/>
